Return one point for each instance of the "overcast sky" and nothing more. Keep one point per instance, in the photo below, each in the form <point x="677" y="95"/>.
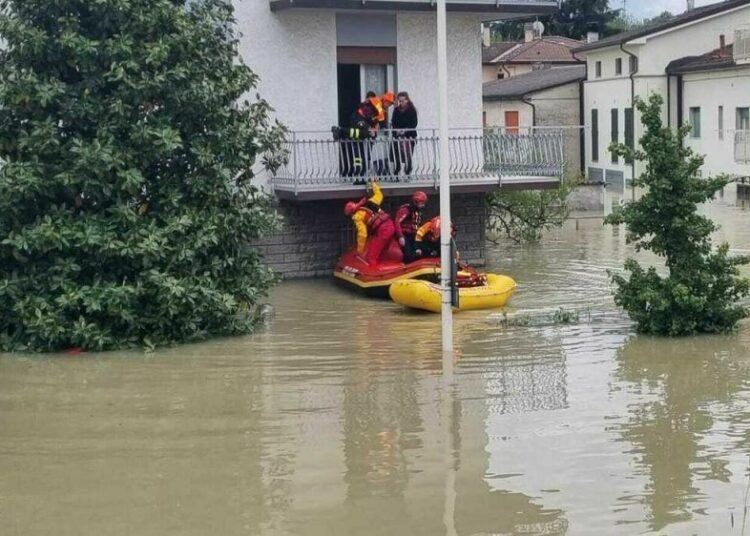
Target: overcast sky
<point x="649" y="8"/>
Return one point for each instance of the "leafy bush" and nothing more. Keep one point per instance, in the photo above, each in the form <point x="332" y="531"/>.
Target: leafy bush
<point x="125" y="195"/>
<point x="703" y="287"/>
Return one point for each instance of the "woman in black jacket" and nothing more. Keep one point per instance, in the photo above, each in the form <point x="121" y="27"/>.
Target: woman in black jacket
<point x="404" y="122"/>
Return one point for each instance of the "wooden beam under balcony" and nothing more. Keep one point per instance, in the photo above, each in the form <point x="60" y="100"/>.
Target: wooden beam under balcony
<point x="513" y="8"/>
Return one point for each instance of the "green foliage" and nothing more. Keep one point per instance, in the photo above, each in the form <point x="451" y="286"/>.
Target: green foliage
<point x="702" y="288"/>
<point x="125" y="197"/>
<point x="524" y="215"/>
<point x="574" y="19"/>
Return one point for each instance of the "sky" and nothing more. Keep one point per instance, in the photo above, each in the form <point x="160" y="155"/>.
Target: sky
<point x="649" y="8"/>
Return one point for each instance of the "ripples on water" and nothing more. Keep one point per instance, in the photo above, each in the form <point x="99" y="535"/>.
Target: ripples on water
<point x="334" y="419"/>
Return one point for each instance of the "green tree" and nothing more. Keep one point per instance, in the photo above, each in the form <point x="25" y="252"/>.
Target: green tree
<point x="126" y="203"/>
<point x="701" y="290"/>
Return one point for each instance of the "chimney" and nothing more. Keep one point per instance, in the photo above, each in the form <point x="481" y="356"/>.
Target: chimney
<point x="486" y="36"/>
<point x="592" y="37"/>
<point x="690" y="5"/>
<point x="528" y="32"/>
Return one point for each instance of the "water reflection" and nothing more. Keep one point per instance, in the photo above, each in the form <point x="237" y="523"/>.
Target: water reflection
<point x="688" y="424"/>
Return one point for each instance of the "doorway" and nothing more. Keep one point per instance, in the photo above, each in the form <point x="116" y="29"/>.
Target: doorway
<point x="511" y="122"/>
<point x="350" y="89"/>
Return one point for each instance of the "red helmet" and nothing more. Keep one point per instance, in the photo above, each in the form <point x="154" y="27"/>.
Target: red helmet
<point x="350" y="208"/>
<point x="419" y="197"/>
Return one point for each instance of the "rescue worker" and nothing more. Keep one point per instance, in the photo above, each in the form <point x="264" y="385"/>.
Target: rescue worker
<point x="408" y="220"/>
<point x="373" y="222"/>
<point x="373" y="109"/>
<point x="427" y="238"/>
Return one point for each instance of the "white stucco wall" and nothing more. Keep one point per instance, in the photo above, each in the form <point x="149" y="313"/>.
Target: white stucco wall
<point x="700" y="90"/>
<point x="294" y="53"/>
<point x="654" y="54"/>
<point x="417" y="67"/>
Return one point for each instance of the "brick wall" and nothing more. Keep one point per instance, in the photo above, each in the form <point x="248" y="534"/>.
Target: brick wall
<point x="315" y="233"/>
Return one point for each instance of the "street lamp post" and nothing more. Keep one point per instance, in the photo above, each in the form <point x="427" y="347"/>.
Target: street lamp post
<point x="445" y="199"/>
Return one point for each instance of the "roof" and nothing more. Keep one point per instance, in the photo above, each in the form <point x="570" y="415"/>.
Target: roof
<point x="493" y="51"/>
<point x="720" y="58"/>
<point x="678" y="20"/>
<point x="518" y="86"/>
<point x="547" y="49"/>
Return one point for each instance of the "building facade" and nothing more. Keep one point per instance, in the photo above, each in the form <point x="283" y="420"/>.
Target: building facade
<point x="635" y="64"/>
<point x="317" y="59"/>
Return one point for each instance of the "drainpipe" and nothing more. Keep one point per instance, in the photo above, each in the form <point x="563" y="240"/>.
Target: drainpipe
<point x="525" y="99"/>
<point x="582" y="130"/>
<point x="680" y="102"/>
<point x="582" y="115"/>
<point x="507" y="72"/>
<point x="632" y="105"/>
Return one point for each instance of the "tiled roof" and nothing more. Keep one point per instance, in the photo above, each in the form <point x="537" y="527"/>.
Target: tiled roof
<point x="518" y="86"/>
<point x="550" y="49"/>
<point x="689" y="16"/>
<point x="720" y="58"/>
<point x="493" y="51"/>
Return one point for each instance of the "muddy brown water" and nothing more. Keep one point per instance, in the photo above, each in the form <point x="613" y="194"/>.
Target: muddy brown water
<point x="334" y="419"/>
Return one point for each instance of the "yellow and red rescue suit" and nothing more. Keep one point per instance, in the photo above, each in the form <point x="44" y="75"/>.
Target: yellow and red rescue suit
<point x="371" y="220"/>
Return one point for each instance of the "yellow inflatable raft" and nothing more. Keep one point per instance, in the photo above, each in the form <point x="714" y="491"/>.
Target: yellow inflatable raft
<point x="419" y="294"/>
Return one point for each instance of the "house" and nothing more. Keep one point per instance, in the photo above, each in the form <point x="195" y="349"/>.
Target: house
<point x="532" y="101"/>
<point x="505" y="60"/>
<point x="635" y="64"/>
<point x="720" y="119"/>
<point x="316" y="59"/>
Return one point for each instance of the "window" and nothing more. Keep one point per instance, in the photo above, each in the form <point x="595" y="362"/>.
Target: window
<point x="615" y="124"/>
<point x="695" y="123"/>
<point x="618" y="66"/>
<point x="594" y="135"/>
<point x="721" y="122"/>
<point x="629" y="133"/>
<point x="598" y="69"/>
<point x="500" y="74"/>
<point x="743" y="118"/>
<point x="633" y="64"/>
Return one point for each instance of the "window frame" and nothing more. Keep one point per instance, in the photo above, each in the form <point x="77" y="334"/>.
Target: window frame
<point x="618" y="66"/>
<point x="695" y="131"/>
<point x="598" y="69"/>
<point x="614" y="128"/>
<point x="594" y="135"/>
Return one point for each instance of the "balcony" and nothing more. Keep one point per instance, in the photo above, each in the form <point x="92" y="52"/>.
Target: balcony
<point x="505" y="8"/>
<point x="320" y="167"/>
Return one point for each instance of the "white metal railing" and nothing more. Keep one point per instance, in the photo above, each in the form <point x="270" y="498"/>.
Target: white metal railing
<point x="742" y="146"/>
<point x="317" y="160"/>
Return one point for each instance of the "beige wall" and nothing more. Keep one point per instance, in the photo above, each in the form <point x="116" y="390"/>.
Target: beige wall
<point x="555" y="107"/>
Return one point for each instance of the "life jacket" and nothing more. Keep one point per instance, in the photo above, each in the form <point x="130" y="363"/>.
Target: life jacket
<point x="376" y="216"/>
<point x="372" y="110"/>
<point x="413" y="221"/>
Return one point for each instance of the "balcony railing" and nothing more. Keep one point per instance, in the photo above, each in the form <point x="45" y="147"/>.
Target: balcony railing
<point x="477" y="157"/>
<point x="742" y="146"/>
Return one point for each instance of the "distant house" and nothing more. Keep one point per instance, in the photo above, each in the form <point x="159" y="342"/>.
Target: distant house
<point x="505" y="60"/>
<point x="546" y="98"/>
<point x="713" y="95"/>
<point x="674" y="59"/>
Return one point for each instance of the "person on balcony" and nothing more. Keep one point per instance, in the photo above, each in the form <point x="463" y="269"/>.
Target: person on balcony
<point x="372" y="222"/>
<point x="374" y="109"/>
<point x="404" y="122"/>
<point x="408" y="220"/>
<point x="427" y="238"/>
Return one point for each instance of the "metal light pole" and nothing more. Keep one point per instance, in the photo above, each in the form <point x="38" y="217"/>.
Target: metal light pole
<point x="445" y="188"/>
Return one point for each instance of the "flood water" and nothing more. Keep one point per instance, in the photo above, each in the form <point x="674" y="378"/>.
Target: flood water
<point x="335" y="419"/>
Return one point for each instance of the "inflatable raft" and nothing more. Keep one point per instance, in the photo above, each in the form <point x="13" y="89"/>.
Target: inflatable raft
<point x="375" y="280"/>
<point x="489" y="292"/>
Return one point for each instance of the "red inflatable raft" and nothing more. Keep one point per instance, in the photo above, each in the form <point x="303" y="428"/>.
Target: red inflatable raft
<point x="375" y="279"/>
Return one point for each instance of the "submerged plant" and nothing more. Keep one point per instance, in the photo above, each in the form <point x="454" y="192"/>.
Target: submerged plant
<point x="702" y="290"/>
<point x="126" y="202"/>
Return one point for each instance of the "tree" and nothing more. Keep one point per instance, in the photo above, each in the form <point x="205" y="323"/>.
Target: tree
<point x="701" y="289"/>
<point x="626" y="23"/>
<point x="522" y="216"/>
<point x="126" y="202"/>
